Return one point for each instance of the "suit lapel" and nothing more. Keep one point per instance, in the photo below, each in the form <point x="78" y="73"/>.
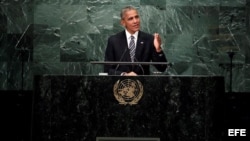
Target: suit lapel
<point x="139" y="46"/>
<point x="124" y="45"/>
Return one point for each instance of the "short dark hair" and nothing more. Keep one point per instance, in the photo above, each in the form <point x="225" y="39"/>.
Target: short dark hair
<point x="125" y="9"/>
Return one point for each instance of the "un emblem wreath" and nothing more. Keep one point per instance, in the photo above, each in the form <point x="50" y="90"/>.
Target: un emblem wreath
<point x="128" y="91"/>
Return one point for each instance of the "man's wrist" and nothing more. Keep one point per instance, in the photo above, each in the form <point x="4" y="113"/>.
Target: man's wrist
<point x="158" y="50"/>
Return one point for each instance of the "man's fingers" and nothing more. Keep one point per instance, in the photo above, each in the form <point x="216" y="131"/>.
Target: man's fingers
<point x="156" y="35"/>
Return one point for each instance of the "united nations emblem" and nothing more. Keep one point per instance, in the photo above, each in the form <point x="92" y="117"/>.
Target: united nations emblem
<point x="128" y="91"/>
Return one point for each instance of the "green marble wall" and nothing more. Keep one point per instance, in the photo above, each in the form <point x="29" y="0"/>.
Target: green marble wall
<point x="68" y="34"/>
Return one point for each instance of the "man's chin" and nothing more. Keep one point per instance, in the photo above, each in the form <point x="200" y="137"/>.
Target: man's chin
<point x="137" y="29"/>
<point x="134" y="30"/>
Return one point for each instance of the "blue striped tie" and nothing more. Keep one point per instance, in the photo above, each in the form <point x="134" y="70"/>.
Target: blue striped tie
<point x="132" y="48"/>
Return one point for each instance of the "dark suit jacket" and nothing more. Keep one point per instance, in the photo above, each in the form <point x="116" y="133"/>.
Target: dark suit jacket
<point x="117" y="50"/>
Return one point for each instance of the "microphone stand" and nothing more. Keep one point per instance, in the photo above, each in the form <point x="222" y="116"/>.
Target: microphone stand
<point x="27" y="36"/>
<point x="139" y="65"/>
<point x="231" y="55"/>
<point x="20" y="47"/>
<point x="121" y="59"/>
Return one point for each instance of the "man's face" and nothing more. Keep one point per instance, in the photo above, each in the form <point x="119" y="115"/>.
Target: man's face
<point x="131" y="21"/>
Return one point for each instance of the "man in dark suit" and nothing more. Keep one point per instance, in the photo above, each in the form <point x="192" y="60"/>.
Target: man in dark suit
<point x="142" y="47"/>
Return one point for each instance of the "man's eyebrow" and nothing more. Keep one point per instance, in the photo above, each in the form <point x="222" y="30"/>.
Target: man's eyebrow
<point x="130" y="18"/>
<point x="136" y="16"/>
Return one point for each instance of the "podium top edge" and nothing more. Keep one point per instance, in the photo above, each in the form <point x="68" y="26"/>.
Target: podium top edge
<point x="129" y="63"/>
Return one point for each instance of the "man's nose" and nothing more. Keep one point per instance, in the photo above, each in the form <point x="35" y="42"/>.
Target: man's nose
<point x="135" y="20"/>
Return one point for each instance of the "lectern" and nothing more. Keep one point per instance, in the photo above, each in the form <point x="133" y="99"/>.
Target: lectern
<point x="145" y="108"/>
<point x="117" y="64"/>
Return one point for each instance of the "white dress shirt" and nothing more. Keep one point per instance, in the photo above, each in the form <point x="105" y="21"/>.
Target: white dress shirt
<point x="128" y="36"/>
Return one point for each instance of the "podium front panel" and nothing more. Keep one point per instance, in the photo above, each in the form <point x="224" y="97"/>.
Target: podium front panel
<point x="84" y="108"/>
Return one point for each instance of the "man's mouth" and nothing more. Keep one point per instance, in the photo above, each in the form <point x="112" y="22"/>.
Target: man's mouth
<point x="136" y="26"/>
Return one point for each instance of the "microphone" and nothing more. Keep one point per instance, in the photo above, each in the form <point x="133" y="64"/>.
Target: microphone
<point x="117" y="66"/>
<point x="139" y="65"/>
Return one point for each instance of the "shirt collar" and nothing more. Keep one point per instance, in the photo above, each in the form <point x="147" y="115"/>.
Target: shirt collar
<point x="128" y="34"/>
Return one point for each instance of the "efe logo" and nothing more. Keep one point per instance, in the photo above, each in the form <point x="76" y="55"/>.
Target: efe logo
<point x="237" y="132"/>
